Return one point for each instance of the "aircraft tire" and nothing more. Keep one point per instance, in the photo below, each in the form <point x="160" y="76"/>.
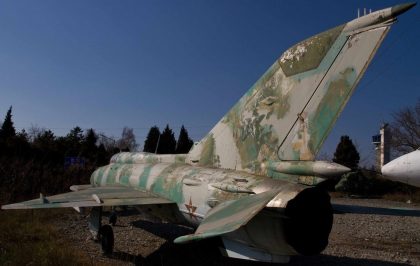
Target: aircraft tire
<point x="107" y="239"/>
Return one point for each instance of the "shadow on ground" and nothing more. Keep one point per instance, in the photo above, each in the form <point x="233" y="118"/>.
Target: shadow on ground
<point x="207" y="252"/>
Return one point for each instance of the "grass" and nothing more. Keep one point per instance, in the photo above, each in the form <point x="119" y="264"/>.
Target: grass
<point x="27" y="238"/>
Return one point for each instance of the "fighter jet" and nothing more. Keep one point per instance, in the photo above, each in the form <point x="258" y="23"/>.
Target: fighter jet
<point x="405" y="169"/>
<point x="251" y="180"/>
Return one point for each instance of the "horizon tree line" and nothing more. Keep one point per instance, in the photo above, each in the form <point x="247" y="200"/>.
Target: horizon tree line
<point x="36" y="160"/>
<point x="165" y="143"/>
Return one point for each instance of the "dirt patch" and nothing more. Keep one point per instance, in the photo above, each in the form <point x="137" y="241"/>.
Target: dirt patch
<point x="355" y="240"/>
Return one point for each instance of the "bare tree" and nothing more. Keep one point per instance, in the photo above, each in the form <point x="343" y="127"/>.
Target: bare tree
<point x="405" y="129"/>
<point x="34" y="131"/>
<point x="128" y="140"/>
<point x="109" y="143"/>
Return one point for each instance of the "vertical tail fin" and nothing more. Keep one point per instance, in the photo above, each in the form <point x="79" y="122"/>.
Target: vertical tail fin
<point x="290" y="110"/>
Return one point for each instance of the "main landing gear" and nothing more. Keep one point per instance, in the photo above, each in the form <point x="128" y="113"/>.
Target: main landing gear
<point x="113" y="218"/>
<point x="102" y="233"/>
<point x="107" y="239"/>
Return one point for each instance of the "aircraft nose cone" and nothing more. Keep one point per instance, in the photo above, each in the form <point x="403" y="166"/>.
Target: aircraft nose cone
<point x="399" y="9"/>
<point x="385" y="169"/>
<point x="389" y="170"/>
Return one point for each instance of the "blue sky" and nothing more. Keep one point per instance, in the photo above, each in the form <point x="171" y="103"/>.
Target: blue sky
<point x="110" y="64"/>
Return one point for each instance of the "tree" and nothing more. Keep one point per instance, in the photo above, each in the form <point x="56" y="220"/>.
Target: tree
<point x="184" y="142"/>
<point x="346" y="153"/>
<point x="128" y="140"/>
<point x="73" y="141"/>
<point x="34" y="131"/>
<point x="102" y="155"/>
<point x="108" y="143"/>
<point x="405" y="129"/>
<point x="89" y="148"/>
<point x="7" y="130"/>
<point x="152" y="140"/>
<point x="44" y="139"/>
<point x="75" y="135"/>
<point x="20" y="144"/>
<point x="167" y="142"/>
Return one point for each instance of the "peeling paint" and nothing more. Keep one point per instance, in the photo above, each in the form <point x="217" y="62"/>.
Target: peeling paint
<point x="308" y="54"/>
<point x="207" y="153"/>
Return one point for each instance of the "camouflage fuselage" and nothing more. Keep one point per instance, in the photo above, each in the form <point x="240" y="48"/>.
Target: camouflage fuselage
<point x="194" y="189"/>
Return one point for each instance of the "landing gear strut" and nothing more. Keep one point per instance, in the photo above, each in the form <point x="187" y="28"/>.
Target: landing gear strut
<point x="113" y="218"/>
<point x="95" y="218"/>
<point x="103" y="233"/>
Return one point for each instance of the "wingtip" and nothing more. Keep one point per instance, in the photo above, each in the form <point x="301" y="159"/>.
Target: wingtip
<point x="10" y="207"/>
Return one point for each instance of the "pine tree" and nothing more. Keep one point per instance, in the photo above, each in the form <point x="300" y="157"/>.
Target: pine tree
<point x="102" y="157"/>
<point x="90" y="139"/>
<point x="167" y="142"/>
<point x="73" y="141"/>
<point x="184" y="142"/>
<point x="7" y="130"/>
<point x="44" y="140"/>
<point x="152" y="140"/>
<point x="89" y="148"/>
<point x="346" y="153"/>
<point x="75" y="135"/>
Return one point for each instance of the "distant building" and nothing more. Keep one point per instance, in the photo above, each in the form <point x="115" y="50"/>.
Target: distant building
<point x="382" y="144"/>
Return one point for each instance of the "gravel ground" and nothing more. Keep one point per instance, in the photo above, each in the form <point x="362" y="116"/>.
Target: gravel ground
<point x="355" y="240"/>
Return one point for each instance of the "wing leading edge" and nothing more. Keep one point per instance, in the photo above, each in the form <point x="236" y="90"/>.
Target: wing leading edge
<point x="92" y="197"/>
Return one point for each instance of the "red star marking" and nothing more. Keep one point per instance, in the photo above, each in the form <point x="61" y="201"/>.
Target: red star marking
<point x="191" y="209"/>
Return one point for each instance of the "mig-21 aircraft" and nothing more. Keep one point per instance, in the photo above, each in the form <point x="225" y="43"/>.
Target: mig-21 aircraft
<point x="251" y="181"/>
